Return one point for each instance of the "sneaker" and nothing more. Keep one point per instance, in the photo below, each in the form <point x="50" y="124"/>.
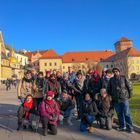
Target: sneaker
<point x="130" y="131"/>
<point x="121" y="128"/>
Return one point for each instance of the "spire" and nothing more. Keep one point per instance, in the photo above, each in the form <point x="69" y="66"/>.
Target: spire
<point x="1" y="38"/>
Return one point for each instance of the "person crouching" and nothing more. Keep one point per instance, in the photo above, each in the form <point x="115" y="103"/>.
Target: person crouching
<point x="88" y="112"/>
<point x="49" y="113"/>
<point x="105" y="110"/>
<point x="66" y="107"/>
<point x="23" y="112"/>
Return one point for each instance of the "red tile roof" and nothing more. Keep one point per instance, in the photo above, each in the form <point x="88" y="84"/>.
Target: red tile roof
<point x="29" y="54"/>
<point x="128" y="52"/>
<point x="50" y="54"/>
<point x="86" y="56"/>
<point x="124" y="39"/>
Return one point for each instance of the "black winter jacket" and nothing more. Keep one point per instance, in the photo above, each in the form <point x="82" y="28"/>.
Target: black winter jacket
<point x="88" y="108"/>
<point x="120" y="89"/>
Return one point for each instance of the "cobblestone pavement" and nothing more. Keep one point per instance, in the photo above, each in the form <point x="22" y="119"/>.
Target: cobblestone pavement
<point x="8" y="125"/>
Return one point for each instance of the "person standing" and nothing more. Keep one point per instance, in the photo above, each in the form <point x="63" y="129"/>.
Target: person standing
<point x="120" y="89"/>
<point x="95" y="84"/>
<point x="25" y="86"/>
<point x="106" y="78"/>
<point x="78" y="90"/>
<point x="38" y="90"/>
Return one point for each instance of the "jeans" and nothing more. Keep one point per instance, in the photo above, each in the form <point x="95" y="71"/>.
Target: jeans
<point x="78" y="98"/>
<point x="67" y="113"/>
<point x="123" y="113"/>
<point x="22" y="99"/>
<point x="87" y="121"/>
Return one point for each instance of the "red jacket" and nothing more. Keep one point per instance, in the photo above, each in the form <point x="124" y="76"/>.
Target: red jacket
<point x="47" y="110"/>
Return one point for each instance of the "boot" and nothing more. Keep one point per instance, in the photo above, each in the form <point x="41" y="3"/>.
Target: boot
<point x="91" y="129"/>
<point x="45" y="131"/>
<point x="19" y="126"/>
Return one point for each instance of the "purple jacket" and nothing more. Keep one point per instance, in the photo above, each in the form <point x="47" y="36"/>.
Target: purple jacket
<point x="47" y="110"/>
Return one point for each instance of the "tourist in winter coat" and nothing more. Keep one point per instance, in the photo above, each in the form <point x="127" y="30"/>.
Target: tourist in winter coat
<point x="88" y="112"/>
<point x="78" y="84"/>
<point x="38" y="86"/>
<point x="49" y="113"/>
<point x="105" y="110"/>
<point x="66" y="107"/>
<point x="106" y="78"/>
<point x="24" y="110"/>
<point x="95" y="84"/>
<point x="120" y="89"/>
<point x="54" y="86"/>
<point x="71" y="74"/>
<point x="25" y="86"/>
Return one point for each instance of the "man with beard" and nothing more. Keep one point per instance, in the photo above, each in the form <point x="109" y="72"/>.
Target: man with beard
<point x="120" y="89"/>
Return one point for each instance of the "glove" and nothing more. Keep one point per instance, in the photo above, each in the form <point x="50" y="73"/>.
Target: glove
<point x="53" y="118"/>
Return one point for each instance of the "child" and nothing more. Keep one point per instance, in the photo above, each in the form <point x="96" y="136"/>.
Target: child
<point x="88" y="112"/>
<point x="24" y="110"/>
<point x="105" y="110"/>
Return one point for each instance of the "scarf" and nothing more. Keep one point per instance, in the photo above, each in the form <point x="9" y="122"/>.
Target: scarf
<point x="49" y="102"/>
<point x="80" y="83"/>
<point x="87" y="103"/>
<point x="28" y="105"/>
<point x="27" y="80"/>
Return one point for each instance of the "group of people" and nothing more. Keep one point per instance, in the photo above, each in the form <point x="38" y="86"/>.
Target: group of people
<point x="9" y="83"/>
<point x="55" y="97"/>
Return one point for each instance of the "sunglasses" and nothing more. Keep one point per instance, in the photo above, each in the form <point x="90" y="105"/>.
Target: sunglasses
<point x="115" y="71"/>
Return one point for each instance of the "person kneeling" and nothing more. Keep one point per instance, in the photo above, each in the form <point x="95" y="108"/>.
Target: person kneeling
<point x="106" y="110"/>
<point x="23" y="112"/>
<point x="66" y="107"/>
<point x="88" y="112"/>
<point x="49" y="113"/>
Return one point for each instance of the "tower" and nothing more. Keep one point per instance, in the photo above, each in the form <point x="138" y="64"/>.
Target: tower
<point x="123" y="44"/>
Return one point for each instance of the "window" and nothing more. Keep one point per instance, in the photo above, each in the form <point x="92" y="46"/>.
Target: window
<point x="106" y="66"/>
<point x="63" y="67"/>
<point x="137" y="61"/>
<point x="50" y="64"/>
<point x="55" y="64"/>
<point x="45" y="64"/>
<point x="111" y="66"/>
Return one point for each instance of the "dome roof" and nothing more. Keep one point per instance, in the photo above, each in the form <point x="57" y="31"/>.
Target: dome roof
<point x="13" y="60"/>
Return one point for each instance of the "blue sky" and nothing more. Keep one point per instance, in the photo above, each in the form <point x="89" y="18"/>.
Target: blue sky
<point x="69" y="25"/>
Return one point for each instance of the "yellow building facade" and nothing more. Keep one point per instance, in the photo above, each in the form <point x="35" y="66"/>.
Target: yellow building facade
<point x="50" y="64"/>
